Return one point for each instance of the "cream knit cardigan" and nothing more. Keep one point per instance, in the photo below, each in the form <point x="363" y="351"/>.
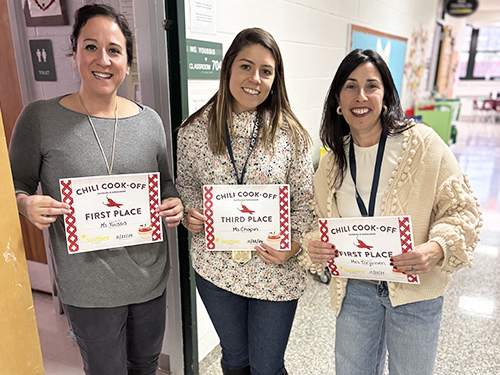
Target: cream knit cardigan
<point x="426" y="184"/>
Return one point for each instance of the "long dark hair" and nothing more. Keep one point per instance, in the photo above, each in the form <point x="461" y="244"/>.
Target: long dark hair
<point x="87" y="12"/>
<point x="334" y="127"/>
<point x="270" y="112"/>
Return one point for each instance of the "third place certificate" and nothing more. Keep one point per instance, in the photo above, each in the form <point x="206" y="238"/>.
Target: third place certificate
<point x="239" y="217"/>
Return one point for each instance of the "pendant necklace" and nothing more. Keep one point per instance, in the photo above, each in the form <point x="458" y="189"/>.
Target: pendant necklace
<point x="108" y="166"/>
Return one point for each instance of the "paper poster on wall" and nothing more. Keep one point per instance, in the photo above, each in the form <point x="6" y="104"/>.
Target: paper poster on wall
<point x="200" y="92"/>
<point x="203" y="16"/>
<point x="392" y="48"/>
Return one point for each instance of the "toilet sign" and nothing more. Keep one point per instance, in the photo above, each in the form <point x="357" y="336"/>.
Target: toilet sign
<point x="43" y="60"/>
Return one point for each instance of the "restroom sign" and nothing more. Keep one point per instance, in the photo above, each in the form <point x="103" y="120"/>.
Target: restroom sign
<point x="43" y="60"/>
<point x="204" y="59"/>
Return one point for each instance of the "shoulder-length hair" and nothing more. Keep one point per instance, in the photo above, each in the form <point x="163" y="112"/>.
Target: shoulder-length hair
<point x="334" y="127"/>
<point x="270" y="112"/>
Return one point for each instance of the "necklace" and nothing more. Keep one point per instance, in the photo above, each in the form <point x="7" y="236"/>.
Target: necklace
<point x="108" y="166"/>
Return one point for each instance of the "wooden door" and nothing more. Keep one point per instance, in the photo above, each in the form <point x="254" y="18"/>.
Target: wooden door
<point x="11" y="104"/>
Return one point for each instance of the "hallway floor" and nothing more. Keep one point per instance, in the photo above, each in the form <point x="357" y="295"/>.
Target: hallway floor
<point x="470" y="330"/>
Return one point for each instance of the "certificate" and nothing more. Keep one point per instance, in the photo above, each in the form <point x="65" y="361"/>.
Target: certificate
<point x="239" y="217"/>
<point x="366" y="245"/>
<point x="111" y="211"/>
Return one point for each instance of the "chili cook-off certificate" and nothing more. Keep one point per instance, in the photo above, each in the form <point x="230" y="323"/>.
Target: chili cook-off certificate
<point x="111" y="211"/>
<point x="239" y="217"/>
<point x="366" y="245"/>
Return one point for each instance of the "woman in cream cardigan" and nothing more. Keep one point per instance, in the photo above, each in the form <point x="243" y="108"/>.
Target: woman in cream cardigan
<point x="418" y="176"/>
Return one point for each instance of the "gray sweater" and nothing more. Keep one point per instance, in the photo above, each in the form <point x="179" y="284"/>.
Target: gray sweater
<point x="51" y="142"/>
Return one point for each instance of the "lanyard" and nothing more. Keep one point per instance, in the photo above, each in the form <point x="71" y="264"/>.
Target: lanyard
<point x="231" y="155"/>
<point x="376" y="175"/>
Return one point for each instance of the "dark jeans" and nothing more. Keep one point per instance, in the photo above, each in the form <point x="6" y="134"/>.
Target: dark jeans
<point x="251" y="331"/>
<point x="119" y="340"/>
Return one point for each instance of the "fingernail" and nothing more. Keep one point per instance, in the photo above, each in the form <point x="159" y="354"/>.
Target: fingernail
<point x="392" y="260"/>
<point x="332" y="246"/>
<point x="395" y="267"/>
<point x="392" y="264"/>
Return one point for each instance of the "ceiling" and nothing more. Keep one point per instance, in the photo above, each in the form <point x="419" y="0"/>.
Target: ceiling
<point x="487" y="14"/>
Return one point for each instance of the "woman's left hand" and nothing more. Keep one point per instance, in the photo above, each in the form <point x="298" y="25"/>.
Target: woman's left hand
<point x="419" y="261"/>
<point x="171" y="210"/>
<point x="271" y="255"/>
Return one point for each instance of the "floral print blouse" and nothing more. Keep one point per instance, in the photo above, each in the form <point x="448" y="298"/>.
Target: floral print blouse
<point x="197" y="165"/>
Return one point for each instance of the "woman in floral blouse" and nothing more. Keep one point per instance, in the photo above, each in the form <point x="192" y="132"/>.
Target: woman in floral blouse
<point x="248" y="134"/>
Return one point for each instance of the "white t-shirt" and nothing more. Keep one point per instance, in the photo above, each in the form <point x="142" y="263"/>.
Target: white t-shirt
<point x="365" y="167"/>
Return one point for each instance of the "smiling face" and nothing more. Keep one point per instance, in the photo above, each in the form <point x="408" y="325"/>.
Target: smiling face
<point x="361" y="100"/>
<point x="252" y="76"/>
<point x="101" y="57"/>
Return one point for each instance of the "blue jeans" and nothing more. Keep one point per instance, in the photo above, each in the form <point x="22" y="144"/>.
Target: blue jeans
<point x="368" y="326"/>
<point x="119" y="340"/>
<point x="251" y="331"/>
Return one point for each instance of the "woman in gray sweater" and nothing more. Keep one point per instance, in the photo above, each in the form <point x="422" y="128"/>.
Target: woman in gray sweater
<point x="114" y="298"/>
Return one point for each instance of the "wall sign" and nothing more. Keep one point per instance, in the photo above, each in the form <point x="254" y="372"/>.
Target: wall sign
<point x="43" y="60"/>
<point x="461" y="8"/>
<point x="204" y="59"/>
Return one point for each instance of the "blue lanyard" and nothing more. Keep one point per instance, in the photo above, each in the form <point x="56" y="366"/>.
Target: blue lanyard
<point x="376" y="175"/>
<point x="253" y="140"/>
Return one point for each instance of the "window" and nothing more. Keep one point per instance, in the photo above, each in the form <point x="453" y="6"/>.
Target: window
<point x="480" y="54"/>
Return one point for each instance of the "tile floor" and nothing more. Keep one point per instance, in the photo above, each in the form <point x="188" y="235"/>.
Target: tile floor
<point x="470" y="333"/>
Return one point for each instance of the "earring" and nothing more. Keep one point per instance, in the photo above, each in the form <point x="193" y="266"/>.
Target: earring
<point x="384" y="109"/>
<point x="339" y="111"/>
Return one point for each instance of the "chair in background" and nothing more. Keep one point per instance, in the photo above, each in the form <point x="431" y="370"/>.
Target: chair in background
<point x="438" y="115"/>
<point x="478" y="112"/>
<point x="489" y="110"/>
<point x="497" y="109"/>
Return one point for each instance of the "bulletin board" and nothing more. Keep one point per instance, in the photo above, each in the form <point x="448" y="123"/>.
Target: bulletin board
<point x="392" y="48"/>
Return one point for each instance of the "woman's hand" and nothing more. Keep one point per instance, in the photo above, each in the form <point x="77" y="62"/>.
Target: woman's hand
<point x="419" y="261"/>
<point x="195" y="220"/>
<point x="321" y="251"/>
<point x="270" y="255"/>
<point x="41" y="210"/>
<point x="171" y="210"/>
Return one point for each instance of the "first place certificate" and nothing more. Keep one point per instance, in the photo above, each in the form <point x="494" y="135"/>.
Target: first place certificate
<point x="111" y="211"/>
<point x="240" y="217"/>
<point x="366" y="245"/>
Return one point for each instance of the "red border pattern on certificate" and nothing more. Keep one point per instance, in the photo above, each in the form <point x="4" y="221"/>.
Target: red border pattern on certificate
<point x="155" y="217"/>
<point x="209" y="213"/>
<point x="284" y="222"/>
<point x="67" y="197"/>
<point x="323" y="230"/>
<point x="406" y="244"/>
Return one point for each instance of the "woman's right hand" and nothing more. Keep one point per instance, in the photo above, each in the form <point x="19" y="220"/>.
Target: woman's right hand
<point x="41" y="210"/>
<point x="195" y="220"/>
<point x="321" y="251"/>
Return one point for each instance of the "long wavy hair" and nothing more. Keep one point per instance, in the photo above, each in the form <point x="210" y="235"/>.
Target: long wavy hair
<point x="334" y="127"/>
<point x="270" y="112"/>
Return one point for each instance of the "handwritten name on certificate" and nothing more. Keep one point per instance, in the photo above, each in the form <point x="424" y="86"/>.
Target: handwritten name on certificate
<point x="111" y="211"/>
<point x="239" y="217"/>
<point x="366" y="245"/>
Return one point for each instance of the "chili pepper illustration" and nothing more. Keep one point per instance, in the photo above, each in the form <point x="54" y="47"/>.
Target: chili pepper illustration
<point x="112" y="203"/>
<point x="246" y="210"/>
<point x="362" y="245"/>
